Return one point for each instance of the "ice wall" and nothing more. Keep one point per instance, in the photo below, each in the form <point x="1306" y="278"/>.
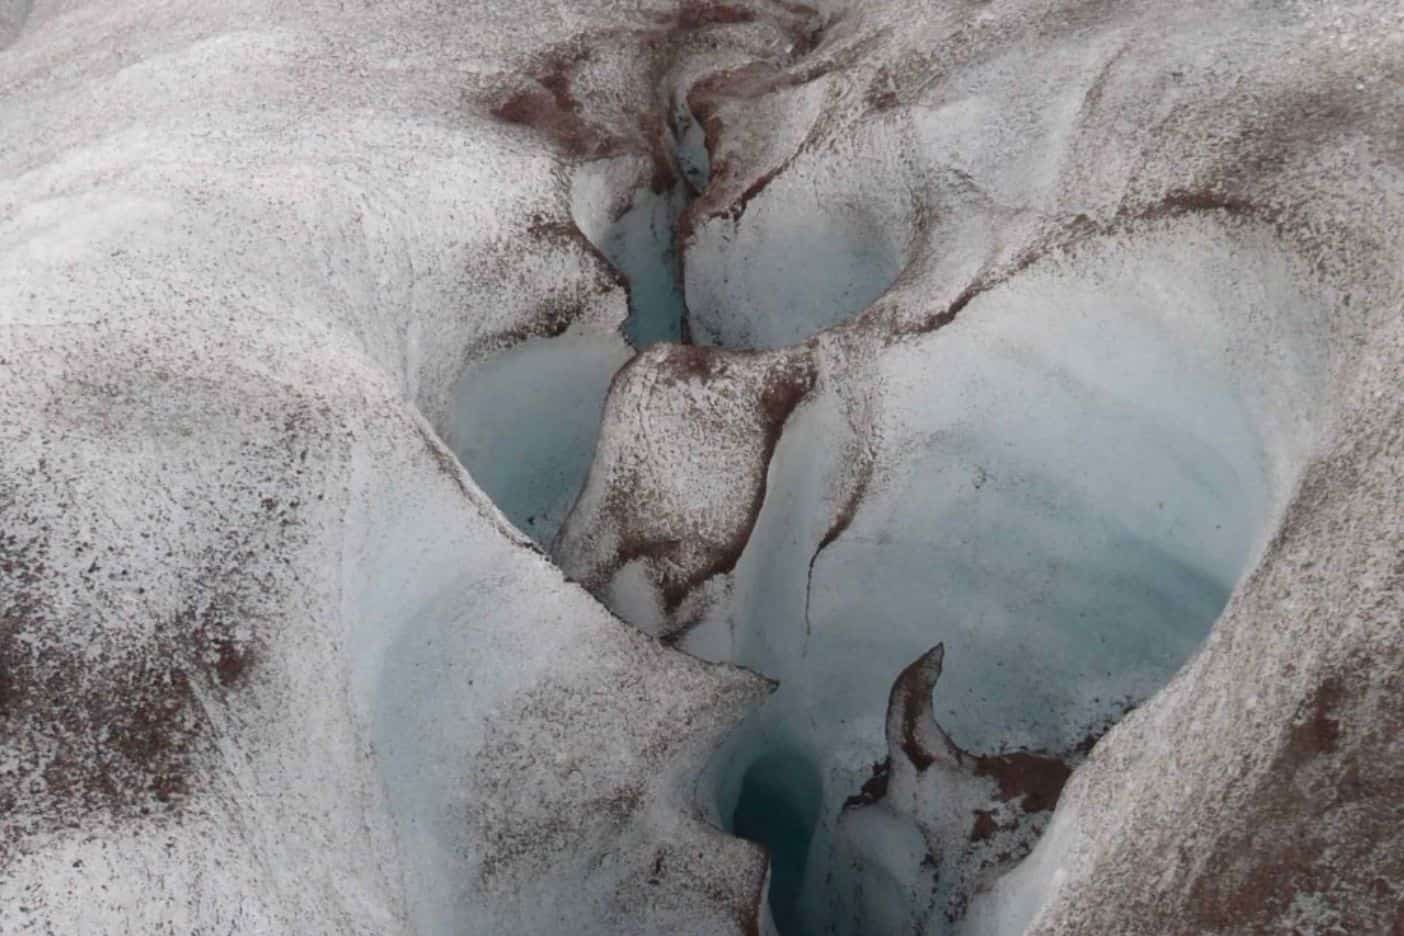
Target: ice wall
<point x="1068" y="484"/>
<point x="806" y="250"/>
<point x="524" y="424"/>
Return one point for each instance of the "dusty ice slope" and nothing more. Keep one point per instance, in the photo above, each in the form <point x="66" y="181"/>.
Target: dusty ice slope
<point x="270" y="661"/>
<point x="1038" y="330"/>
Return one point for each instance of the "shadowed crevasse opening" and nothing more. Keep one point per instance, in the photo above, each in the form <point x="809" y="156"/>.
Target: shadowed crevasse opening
<point x="769" y="275"/>
<point x="778" y="806"/>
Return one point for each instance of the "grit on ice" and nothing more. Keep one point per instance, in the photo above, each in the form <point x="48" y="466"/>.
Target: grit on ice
<point x="841" y="468"/>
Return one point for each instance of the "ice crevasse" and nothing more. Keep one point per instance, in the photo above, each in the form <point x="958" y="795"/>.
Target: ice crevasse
<point x="699" y="467"/>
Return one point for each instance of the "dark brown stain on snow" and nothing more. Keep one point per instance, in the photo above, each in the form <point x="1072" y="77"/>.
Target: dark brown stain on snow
<point x="867" y="464"/>
<point x="1317" y="730"/>
<point x="1324" y="814"/>
<point x="1037" y="780"/>
<point x="109" y="722"/>
<point x="750" y="914"/>
<point x="698" y="15"/>
<point x="874" y="788"/>
<point x="985" y="826"/>
<point x="100" y="738"/>
<point x="656" y="131"/>
<point x="911" y="697"/>
<point x="549" y="105"/>
<point x="1188" y="201"/>
<point x="706" y="100"/>
<point x="1032" y="779"/>
<point x="554" y="315"/>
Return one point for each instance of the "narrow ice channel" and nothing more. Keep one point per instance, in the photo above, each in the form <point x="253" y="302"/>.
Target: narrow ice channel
<point x="525" y="421"/>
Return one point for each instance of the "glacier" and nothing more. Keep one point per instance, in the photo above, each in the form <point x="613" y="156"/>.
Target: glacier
<point x="701" y="467"/>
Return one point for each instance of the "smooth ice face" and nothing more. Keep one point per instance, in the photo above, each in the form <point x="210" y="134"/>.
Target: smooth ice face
<point x="831" y="271"/>
<point x="524" y="424"/>
<point x="1070" y="481"/>
<point x="809" y="253"/>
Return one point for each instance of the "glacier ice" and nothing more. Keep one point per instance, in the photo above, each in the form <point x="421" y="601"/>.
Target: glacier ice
<point x="1061" y="337"/>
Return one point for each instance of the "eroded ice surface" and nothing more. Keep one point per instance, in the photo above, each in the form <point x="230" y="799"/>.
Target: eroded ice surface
<point x="1070" y="481"/>
<point x="271" y="661"/>
<point x="810" y="252"/>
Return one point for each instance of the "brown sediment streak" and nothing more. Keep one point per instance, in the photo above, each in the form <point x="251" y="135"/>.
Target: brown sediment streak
<point x="1318" y="728"/>
<point x="1037" y="779"/>
<point x="697" y="15"/>
<point x="566" y="233"/>
<point x="749" y="82"/>
<point x="778" y="400"/>
<point x="847" y="511"/>
<point x="1034" y="778"/>
<point x="874" y="788"/>
<point x="911" y="698"/>
<point x="749" y="916"/>
<point x="704" y="99"/>
<point x="549" y="105"/>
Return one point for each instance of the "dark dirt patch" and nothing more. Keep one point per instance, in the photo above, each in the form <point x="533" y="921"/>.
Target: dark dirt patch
<point x="874" y="788"/>
<point x="1037" y="779"/>
<point x="985" y="826"/>
<point x="750" y="915"/>
<point x="1325" y="822"/>
<point x="102" y="696"/>
<point x="911" y="697"/>
<point x="1185" y="201"/>
<point x="867" y="463"/>
<point x="1317" y="730"/>
<point x="549" y="105"/>
<point x="698" y="15"/>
